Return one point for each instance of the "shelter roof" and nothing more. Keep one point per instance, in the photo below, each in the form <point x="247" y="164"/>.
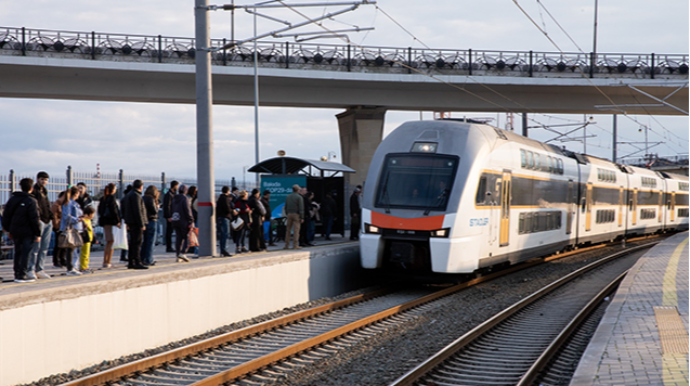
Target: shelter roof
<point x="292" y="165"/>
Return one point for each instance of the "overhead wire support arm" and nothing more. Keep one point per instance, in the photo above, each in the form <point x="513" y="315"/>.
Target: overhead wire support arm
<point x="231" y="7"/>
<point x="276" y="32"/>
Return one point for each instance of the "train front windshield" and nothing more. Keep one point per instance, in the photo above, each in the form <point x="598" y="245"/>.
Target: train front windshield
<point x="416" y="181"/>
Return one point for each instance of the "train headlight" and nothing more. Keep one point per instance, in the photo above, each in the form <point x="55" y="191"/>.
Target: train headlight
<point x="441" y="233"/>
<point x="368" y="228"/>
<point x="424" y="147"/>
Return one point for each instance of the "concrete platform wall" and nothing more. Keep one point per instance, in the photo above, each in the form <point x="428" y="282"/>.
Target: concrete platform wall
<point x="77" y="325"/>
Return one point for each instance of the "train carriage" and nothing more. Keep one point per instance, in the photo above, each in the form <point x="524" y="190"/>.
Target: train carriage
<point x="452" y="196"/>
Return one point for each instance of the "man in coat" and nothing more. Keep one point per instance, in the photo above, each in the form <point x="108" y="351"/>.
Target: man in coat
<point x="135" y="218"/>
<point x="167" y="214"/>
<point x="355" y="213"/>
<point x="40" y="249"/>
<point x="21" y="220"/>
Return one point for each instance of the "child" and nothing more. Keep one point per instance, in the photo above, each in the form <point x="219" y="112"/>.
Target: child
<point x="89" y="213"/>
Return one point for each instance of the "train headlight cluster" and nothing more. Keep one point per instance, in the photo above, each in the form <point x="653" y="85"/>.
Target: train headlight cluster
<point x="444" y="233"/>
<point x="368" y="228"/>
<point x="424" y="147"/>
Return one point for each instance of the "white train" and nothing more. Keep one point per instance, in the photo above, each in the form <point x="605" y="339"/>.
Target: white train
<point x="451" y="196"/>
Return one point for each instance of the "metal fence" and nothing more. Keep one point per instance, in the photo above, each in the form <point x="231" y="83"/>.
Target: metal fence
<point x="96" y="182"/>
<point x="330" y="57"/>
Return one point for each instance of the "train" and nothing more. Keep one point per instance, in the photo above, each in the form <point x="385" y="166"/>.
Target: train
<point x="461" y="197"/>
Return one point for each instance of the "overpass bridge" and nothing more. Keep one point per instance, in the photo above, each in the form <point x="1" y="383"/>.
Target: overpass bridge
<point x="363" y="81"/>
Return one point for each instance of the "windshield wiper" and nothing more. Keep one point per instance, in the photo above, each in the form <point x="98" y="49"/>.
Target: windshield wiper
<point x="384" y="195"/>
<point x="439" y="201"/>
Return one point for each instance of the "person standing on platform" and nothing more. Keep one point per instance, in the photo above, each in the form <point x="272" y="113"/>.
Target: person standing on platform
<point x="234" y="196"/>
<point x="192" y="196"/>
<point x="182" y="220"/>
<point x="40" y="250"/>
<point x="328" y="212"/>
<point x="244" y="212"/>
<point x="256" y="233"/>
<point x="304" y="227"/>
<point x="151" y="204"/>
<point x="355" y="213"/>
<point x="167" y="214"/>
<point x="109" y="216"/>
<point x="89" y="213"/>
<point x="56" y="210"/>
<point x="71" y="218"/>
<point x="123" y="205"/>
<point x="135" y="218"/>
<point x="21" y="220"/>
<point x="266" y="202"/>
<point x="294" y="210"/>
<point x="224" y="214"/>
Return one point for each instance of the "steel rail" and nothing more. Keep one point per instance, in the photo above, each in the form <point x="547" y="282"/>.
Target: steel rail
<point x="425" y="367"/>
<point x="145" y="364"/>
<point x="544" y="359"/>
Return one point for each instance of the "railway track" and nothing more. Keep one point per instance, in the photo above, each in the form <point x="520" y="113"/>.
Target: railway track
<point x="522" y="343"/>
<point x="266" y="351"/>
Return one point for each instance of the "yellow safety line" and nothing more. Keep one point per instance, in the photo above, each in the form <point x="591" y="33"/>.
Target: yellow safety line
<point x="675" y="366"/>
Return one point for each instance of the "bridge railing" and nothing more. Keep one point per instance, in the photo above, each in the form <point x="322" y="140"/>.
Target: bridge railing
<point x="332" y="57"/>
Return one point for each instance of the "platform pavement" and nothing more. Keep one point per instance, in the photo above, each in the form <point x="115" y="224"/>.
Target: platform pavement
<point x="159" y="255"/>
<point x="643" y="336"/>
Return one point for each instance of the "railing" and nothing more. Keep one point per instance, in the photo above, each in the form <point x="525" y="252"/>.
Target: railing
<point x="160" y="49"/>
<point x="96" y="182"/>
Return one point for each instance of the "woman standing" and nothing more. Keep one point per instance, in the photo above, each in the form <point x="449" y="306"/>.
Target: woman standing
<point x="192" y="196"/>
<point x="151" y="204"/>
<point x="56" y="209"/>
<point x="182" y="221"/>
<point x="71" y="218"/>
<point x="243" y="212"/>
<point x="108" y="216"/>
<point x="256" y="233"/>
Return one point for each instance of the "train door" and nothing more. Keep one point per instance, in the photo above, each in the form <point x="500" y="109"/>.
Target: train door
<point x="570" y="208"/>
<point x="672" y="206"/>
<point x="505" y="209"/>
<point x="633" y="207"/>
<point x="621" y="205"/>
<point x="661" y="206"/>
<point x="588" y="207"/>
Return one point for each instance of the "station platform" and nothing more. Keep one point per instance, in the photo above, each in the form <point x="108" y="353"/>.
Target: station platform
<point x="56" y="325"/>
<point x="643" y="336"/>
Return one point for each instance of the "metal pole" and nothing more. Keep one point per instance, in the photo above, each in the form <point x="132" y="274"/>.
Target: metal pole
<point x="524" y="125"/>
<point x="596" y="10"/>
<point x="256" y="101"/>
<point x="615" y="137"/>
<point x="584" y="139"/>
<point x="204" y="132"/>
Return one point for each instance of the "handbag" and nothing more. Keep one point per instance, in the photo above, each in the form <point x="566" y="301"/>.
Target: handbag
<point x="237" y="224"/>
<point x="193" y="237"/>
<point x="70" y="239"/>
<point x="120" y="237"/>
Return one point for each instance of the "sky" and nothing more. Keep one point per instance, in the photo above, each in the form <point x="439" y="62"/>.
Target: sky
<point x="147" y="138"/>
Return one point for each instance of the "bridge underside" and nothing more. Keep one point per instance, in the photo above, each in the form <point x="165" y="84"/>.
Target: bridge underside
<point x="51" y="78"/>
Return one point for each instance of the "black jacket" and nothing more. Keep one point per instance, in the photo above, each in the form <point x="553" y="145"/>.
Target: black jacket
<point x="167" y="204"/>
<point x="20" y="217"/>
<point x="109" y="211"/>
<point x="307" y="208"/>
<point x="223" y="207"/>
<point x="134" y="210"/>
<point x="151" y="206"/>
<point x="328" y="207"/>
<point x="182" y="210"/>
<point x="84" y="201"/>
<point x="40" y="193"/>
<point x="355" y="209"/>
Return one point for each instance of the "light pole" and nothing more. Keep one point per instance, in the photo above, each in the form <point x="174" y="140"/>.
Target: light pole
<point x="204" y="132"/>
<point x="596" y="11"/>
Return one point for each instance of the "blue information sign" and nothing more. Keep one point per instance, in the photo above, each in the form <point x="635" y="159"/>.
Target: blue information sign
<point x="280" y="188"/>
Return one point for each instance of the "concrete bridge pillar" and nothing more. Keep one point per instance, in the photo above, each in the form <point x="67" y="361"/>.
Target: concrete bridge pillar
<point x="361" y="131"/>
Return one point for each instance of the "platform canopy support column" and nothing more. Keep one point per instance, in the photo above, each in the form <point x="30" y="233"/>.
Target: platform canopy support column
<point x="361" y="131"/>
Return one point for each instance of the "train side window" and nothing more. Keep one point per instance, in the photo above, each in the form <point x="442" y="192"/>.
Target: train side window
<point x="523" y="158"/>
<point x="528" y="222"/>
<point x="530" y="160"/>
<point x="537" y="164"/>
<point x="521" y="223"/>
<point x="481" y="191"/>
<point x="559" y="166"/>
